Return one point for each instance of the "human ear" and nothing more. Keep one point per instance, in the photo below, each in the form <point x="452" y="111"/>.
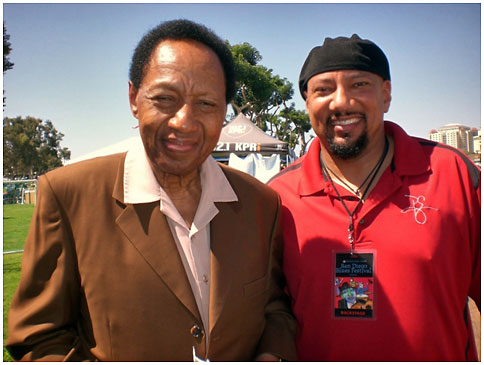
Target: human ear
<point x="133" y="93"/>
<point x="387" y="94"/>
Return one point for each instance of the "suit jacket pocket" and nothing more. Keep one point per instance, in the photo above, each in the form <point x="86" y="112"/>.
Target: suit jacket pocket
<point x="255" y="287"/>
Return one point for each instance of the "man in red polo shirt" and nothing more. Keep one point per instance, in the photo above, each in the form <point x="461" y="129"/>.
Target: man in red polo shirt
<point x="381" y="230"/>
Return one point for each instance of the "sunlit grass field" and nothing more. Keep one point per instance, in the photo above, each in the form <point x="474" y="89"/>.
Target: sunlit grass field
<point x="11" y="276"/>
<point x="16" y="222"/>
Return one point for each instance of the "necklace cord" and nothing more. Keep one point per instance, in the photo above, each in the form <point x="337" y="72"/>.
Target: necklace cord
<point x="373" y="174"/>
<point x="358" y="189"/>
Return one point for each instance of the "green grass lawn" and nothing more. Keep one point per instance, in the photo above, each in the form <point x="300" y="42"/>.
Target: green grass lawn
<point x="16" y="222"/>
<point x="11" y="276"/>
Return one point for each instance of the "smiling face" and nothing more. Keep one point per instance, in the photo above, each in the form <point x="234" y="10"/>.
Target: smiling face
<point x="346" y="109"/>
<point x="349" y="295"/>
<point x="180" y="106"/>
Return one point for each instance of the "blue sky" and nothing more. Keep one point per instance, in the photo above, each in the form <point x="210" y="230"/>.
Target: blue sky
<point x="71" y="60"/>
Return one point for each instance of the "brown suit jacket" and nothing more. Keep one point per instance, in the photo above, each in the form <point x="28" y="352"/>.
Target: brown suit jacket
<point x="103" y="280"/>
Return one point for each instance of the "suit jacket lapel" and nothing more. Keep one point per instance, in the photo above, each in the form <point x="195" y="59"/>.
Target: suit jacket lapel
<point x="147" y="229"/>
<point x="223" y="259"/>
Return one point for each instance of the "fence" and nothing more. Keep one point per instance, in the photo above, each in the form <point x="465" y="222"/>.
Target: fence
<point x="19" y="191"/>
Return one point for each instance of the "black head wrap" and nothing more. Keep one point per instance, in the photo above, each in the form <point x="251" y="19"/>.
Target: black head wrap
<point x="344" y="53"/>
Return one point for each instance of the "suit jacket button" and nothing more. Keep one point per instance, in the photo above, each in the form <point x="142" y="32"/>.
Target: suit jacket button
<point x="196" y="331"/>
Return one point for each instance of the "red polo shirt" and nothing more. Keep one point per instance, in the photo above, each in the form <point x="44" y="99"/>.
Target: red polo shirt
<point x="422" y="225"/>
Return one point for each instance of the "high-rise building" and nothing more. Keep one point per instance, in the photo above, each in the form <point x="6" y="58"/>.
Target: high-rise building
<point x="477" y="142"/>
<point x="458" y="136"/>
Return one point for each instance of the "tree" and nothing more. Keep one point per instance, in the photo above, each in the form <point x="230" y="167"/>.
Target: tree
<point x="31" y="147"/>
<point x="7" y="65"/>
<point x="295" y="123"/>
<point x="259" y="93"/>
<point x="264" y="98"/>
<point x="7" y="48"/>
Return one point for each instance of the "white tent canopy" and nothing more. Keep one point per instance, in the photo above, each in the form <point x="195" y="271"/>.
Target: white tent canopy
<point x="243" y="137"/>
<point x="118" y="147"/>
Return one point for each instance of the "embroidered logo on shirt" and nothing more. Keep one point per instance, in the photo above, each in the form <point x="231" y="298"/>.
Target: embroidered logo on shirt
<point x="417" y="208"/>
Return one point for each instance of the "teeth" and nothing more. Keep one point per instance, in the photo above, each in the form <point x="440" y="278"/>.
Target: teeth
<point x="346" y="122"/>
<point x="176" y="142"/>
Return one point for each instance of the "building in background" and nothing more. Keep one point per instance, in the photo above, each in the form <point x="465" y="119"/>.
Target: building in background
<point x="459" y="136"/>
<point x="466" y="139"/>
<point x="477" y="142"/>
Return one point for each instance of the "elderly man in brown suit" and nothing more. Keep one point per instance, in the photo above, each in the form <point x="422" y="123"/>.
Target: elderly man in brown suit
<point x="160" y="253"/>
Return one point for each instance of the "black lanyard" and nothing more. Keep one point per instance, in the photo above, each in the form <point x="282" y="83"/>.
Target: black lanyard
<point x="375" y="170"/>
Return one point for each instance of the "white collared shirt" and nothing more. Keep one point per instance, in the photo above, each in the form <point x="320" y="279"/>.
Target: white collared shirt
<point x="193" y="243"/>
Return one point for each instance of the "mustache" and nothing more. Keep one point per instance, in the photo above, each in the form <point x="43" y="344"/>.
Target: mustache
<point x="348" y="113"/>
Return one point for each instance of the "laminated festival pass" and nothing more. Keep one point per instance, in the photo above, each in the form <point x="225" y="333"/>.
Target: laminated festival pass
<point x="354" y="285"/>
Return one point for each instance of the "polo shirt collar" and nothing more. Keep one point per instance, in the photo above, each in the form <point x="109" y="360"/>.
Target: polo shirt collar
<point x="408" y="159"/>
<point x="312" y="178"/>
<point x="141" y="186"/>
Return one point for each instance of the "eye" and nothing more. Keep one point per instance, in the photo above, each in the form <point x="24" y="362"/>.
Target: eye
<point x="359" y="84"/>
<point x="164" y="102"/>
<point x="164" y="98"/>
<point x="322" y="90"/>
<point x="207" y="104"/>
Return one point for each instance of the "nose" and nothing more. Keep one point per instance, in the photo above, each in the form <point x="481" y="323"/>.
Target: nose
<point x="341" y="99"/>
<point x="184" y="120"/>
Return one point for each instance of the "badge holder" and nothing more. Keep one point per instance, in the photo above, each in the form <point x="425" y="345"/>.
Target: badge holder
<point x="354" y="284"/>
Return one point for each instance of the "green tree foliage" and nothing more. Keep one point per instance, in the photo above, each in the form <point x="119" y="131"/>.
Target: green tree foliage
<point x="7" y="65"/>
<point x="295" y="124"/>
<point x="31" y="147"/>
<point x="264" y="98"/>
<point x="259" y="93"/>
<point x="7" y="48"/>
